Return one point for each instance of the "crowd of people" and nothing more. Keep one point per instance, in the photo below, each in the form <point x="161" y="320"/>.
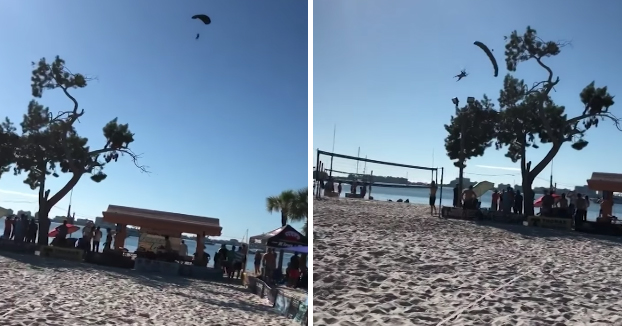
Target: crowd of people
<point x="90" y="240"/>
<point x="20" y="229"/>
<point x="511" y="201"/>
<point x="295" y="274"/>
<point x="232" y="261"/>
<point x="565" y="205"/>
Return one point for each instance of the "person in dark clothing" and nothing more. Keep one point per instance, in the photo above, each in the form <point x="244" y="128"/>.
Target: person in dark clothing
<point x="108" y="242"/>
<point x="518" y="203"/>
<point x="61" y="235"/>
<point x="294" y="270"/>
<point x="456" y="196"/>
<point x="547" y="204"/>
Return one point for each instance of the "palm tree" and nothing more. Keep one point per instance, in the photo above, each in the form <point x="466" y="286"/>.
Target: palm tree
<point x="300" y="209"/>
<point x="282" y="203"/>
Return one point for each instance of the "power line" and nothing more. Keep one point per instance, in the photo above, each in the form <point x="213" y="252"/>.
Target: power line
<point x="493" y="175"/>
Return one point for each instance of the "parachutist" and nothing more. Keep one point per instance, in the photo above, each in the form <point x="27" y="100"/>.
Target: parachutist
<point x="490" y="56"/>
<point x="205" y="19"/>
<point x="461" y="75"/>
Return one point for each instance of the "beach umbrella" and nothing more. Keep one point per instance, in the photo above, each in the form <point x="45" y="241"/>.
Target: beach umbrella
<point x="70" y="229"/>
<point x="538" y="202"/>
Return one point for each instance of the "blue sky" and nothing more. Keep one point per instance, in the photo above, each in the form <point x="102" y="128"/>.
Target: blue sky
<point x="383" y="74"/>
<point x="222" y="121"/>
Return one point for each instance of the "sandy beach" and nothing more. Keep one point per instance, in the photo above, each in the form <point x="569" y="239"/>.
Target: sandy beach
<point x="380" y="263"/>
<point x="37" y="291"/>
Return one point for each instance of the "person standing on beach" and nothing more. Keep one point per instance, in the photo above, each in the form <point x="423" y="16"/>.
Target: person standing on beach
<point x="222" y="257"/>
<point x="13" y="220"/>
<point x="258" y="257"/>
<point x="294" y="270"/>
<point x="32" y="231"/>
<point x="183" y="249"/>
<point x="8" y="226"/>
<point x="231" y="262"/>
<point x="547" y="203"/>
<point x="108" y="242"/>
<point x="269" y="264"/>
<point x="61" y="234"/>
<point x="494" y="205"/>
<point x="240" y="257"/>
<point x="97" y="237"/>
<point x="468" y="198"/>
<point x="581" y="213"/>
<point x="518" y="203"/>
<point x="87" y="237"/>
<point x="339" y="188"/>
<point x="507" y="200"/>
<point x="456" y="196"/>
<point x="433" y="189"/>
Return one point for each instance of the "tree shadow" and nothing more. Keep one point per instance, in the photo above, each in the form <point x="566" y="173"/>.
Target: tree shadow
<point x="530" y="232"/>
<point x="148" y="279"/>
<point x="234" y="304"/>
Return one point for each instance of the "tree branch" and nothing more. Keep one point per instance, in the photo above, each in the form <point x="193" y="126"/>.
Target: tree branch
<point x="123" y="150"/>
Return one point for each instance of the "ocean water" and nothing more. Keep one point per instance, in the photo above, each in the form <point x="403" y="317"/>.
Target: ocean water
<point x="131" y="243"/>
<point x="421" y="196"/>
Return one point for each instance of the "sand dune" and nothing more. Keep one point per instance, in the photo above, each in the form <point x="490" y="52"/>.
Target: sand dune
<point x="379" y="263"/>
<point x="35" y="291"/>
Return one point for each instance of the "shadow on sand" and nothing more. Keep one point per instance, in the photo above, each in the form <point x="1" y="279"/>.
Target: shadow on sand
<point x="528" y="232"/>
<point x="146" y="279"/>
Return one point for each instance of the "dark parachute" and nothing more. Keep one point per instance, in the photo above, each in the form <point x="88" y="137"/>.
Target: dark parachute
<point x="490" y="56"/>
<point x="204" y="18"/>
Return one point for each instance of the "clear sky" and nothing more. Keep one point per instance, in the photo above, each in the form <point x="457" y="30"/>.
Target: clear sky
<point x="383" y="74"/>
<point x="222" y="121"/>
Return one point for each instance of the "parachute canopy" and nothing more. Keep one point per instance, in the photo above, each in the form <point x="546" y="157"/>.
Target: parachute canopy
<point x="204" y="18"/>
<point x="490" y="56"/>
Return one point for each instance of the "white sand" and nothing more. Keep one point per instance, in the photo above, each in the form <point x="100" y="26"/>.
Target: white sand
<point x="379" y="263"/>
<point x="37" y="291"/>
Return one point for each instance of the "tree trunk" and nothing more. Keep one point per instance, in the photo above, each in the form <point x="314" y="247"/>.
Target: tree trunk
<point x="44" y="226"/>
<point x="528" y="196"/>
<point x="283" y="218"/>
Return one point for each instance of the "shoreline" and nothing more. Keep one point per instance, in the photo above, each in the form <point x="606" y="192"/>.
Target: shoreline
<point x="391" y="264"/>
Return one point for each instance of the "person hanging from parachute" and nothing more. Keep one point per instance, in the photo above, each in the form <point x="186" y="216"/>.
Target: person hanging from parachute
<point x="461" y="75"/>
<point x="490" y="56"/>
<point x="205" y="19"/>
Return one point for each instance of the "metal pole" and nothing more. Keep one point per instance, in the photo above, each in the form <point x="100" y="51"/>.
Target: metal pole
<point x="440" y="203"/>
<point x="371" y="181"/>
<point x="357" y="161"/>
<point x="461" y="158"/>
<point x="321" y="173"/>
<point x="317" y="173"/>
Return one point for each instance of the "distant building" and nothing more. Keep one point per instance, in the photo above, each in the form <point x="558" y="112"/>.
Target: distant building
<point x="585" y="190"/>
<point x="99" y="221"/>
<point x="82" y="221"/>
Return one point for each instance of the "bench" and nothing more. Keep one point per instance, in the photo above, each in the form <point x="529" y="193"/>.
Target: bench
<point x="62" y="253"/>
<point x="498" y="216"/>
<point x="456" y="212"/>
<point x="550" y="222"/>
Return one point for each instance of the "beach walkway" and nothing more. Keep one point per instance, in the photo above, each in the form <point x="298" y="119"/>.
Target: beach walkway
<point x="38" y="291"/>
<point x="381" y="263"/>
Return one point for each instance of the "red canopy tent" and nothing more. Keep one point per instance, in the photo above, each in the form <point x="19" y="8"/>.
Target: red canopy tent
<point x="538" y="202"/>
